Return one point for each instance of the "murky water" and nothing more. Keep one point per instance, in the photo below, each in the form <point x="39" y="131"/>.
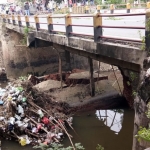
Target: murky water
<point x="113" y="129"/>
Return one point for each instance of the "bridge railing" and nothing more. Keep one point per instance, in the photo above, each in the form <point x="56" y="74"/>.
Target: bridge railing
<point x="112" y="8"/>
<point x="63" y="24"/>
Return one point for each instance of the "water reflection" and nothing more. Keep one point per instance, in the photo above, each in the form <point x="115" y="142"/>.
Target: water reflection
<point x="111" y="118"/>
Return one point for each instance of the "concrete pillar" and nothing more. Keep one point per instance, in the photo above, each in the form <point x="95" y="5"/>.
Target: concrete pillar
<point x="50" y="23"/>
<point x="27" y="21"/>
<point x="128" y="7"/>
<point x="36" y="18"/>
<point x="97" y="23"/>
<point x="92" y="84"/>
<point x="68" y="24"/>
<point x="112" y="8"/>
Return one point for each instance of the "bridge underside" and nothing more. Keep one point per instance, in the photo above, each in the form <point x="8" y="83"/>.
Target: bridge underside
<point x="124" y="56"/>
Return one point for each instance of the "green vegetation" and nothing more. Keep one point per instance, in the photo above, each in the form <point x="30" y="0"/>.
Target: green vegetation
<point x="99" y="147"/>
<point x="55" y="146"/>
<point x="26" y="31"/>
<point x="143" y="134"/>
<point x="133" y="76"/>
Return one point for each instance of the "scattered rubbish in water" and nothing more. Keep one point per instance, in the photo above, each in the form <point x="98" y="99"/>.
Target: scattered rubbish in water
<point x="31" y="119"/>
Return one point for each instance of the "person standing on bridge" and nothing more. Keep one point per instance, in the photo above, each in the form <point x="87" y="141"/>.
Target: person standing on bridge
<point x="26" y="8"/>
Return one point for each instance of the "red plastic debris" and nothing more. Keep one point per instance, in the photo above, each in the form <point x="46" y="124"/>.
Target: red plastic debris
<point x="45" y="120"/>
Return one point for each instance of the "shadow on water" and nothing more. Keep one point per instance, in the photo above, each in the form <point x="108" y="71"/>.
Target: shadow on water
<point x="113" y="129"/>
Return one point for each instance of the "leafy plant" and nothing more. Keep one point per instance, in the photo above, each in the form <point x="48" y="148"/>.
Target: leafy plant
<point x="23" y="78"/>
<point x="26" y="31"/>
<point x="99" y="147"/>
<point x="55" y="146"/>
<point x="144" y="134"/>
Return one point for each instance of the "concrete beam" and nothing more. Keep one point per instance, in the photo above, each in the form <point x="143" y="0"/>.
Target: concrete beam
<point x="125" y="56"/>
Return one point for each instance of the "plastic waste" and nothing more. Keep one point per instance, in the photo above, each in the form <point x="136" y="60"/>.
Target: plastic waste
<point x="34" y="130"/>
<point x="45" y="120"/>
<point x="17" y="117"/>
<point x="20" y="89"/>
<point x="12" y="120"/>
<point x="2" y="118"/>
<point x="20" y="110"/>
<point x="24" y="99"/>
<point x="39" y="126"/>
<point x="40" y="113"/>
<point x="22" y="141"/>
<point x="10" y="127"/>
<point x="19" y="98"/>
<point x="1" y="102"/>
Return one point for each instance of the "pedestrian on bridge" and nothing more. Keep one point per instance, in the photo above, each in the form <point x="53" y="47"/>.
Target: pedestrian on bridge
<point x="26" y="8"/>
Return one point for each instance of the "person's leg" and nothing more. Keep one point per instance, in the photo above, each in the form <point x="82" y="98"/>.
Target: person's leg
<point x="26" y="12"/>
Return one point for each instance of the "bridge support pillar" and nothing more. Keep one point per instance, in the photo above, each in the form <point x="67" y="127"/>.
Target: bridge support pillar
<point x="92" y="84"/>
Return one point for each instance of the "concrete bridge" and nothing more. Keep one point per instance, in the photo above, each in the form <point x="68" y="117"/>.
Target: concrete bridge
<point x="108" y="38"/>
<point x="116" y="39"/>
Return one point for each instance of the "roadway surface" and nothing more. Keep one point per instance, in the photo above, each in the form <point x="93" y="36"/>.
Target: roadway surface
<point x="133" y="21"/>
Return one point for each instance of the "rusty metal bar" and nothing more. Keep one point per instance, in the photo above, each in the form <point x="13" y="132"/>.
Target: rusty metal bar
<point x="125" y="39"/>
<point x="82" y="25"/>
<point x="124" y="27"/>
<point x="117" y="15"/>
<point x="58" y="24"/>
<point x="74" y="33"/>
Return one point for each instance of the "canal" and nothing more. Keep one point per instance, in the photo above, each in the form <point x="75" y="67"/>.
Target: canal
<point x="113" y="129"/>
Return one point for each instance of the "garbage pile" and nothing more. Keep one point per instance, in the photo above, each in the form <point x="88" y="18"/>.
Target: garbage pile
<point x="32" y="117"/>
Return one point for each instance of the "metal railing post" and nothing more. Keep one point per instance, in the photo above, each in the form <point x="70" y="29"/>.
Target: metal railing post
<point x="148" y="5"/>
<point x="8" y="18"/>
<point x="36" y="18"/>
<point x="3" y="17"/>
<point x="27" y="21"/>
<point x="97" y="24"/>
<point x="147" y="30"/>
<point x="98" y="8"/>
<point x="128" y="7"/>
<point x="68" y="24"/>
<point x="13" y="20"/>
<point x="50" y="23"/>
<point x="19" y="21"/>
<point x="87" y="9"/>
<point x="112" y="8"/>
